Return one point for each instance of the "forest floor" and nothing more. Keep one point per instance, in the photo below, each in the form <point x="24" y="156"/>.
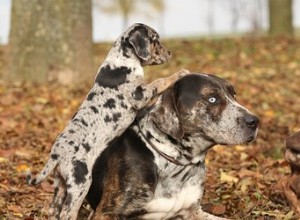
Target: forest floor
<point x="241" y="180"/>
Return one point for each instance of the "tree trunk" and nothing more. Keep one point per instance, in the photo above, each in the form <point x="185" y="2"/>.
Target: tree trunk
<point x="51" y="40"/>
<point x="280" y="12"/>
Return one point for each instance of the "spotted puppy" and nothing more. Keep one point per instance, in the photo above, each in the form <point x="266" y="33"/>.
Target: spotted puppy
<point x="156" y="169"/>
<point x="110" y="107"/>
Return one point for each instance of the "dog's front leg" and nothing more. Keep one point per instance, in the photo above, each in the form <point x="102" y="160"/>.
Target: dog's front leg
<point x="99" y="216"/>
<point x="201" y="215"/>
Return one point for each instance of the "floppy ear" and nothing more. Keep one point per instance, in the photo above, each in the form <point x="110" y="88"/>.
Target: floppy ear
<point x="166" y="115"/>
<point x="141" y="44"/>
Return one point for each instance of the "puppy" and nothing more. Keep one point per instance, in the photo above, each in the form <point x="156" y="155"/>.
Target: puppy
<point x="156" y="169"/>
<point x="109" y="108"/>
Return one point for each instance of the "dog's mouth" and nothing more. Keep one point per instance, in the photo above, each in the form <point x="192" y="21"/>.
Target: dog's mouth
<point x="250" y="138"/>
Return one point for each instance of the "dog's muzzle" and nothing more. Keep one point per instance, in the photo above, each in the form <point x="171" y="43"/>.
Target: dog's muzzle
<point x="251" y="122"/>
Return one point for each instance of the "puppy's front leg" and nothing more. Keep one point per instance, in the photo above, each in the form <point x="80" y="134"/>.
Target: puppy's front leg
<point x="160" y="85"/>
<point x="144" y="93"/>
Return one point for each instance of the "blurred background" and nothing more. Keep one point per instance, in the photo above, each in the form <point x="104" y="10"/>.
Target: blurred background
<point x="50" y="51"/>
<point x="31" y="26"/>
<point x="172" y="18"/>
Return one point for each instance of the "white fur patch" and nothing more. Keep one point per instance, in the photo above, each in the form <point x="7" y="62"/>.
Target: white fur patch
<point x="162" y="207"/>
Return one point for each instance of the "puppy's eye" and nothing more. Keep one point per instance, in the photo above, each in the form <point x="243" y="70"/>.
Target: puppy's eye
<point x="212" y="100"/>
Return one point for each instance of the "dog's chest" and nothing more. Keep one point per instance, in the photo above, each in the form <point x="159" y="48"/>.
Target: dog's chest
<point x="178" y="190"/>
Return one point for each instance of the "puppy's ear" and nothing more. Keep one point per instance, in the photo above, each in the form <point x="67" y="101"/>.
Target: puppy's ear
<point x="166" y="115"/>
<point x="141" y="44"/>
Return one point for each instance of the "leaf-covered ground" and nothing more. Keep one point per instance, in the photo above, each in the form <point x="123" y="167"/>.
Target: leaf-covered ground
<point x="241" y="180"/>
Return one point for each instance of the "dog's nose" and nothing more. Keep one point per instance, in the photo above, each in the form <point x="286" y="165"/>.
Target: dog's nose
<point x="251" y="121"/>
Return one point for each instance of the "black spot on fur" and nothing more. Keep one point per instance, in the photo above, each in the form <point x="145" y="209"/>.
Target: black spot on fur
<point x="84" y="122"/>
<point x="55" y="191"/>
<point x="80" y="171"/>
<point x="178" y="172"/>
<point x="76" y="148"/>
<point x="120" y="96"/>
<point x="116" y="126"/>
<point x="123" y="105"/>
<point x="54" y="156"/>
<point x="138" y="93"/>
<point x="116" y="116"/>
<point x="71" y="143"/>
<point x="125" y="45"/>
<point x="33" y="182"/>
<point x="112" y="78"/>
<point x="149" y="135"/>
<point x="71" y="131"/>
<point x="110" y="103"/>
<point x="185" y="177"/>
<point x="94" y="109"/>
<point x="80" y="194"/>
<point x="91" y="96"/>
<point x="68" y="200"/>
<point x="172" y="140"/>
<point x="86" y="146"/>
<point x="154" y="92"/>
<point x="107" y="118"/>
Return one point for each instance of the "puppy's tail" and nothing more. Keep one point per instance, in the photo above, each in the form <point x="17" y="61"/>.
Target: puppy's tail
<point x="49" y="167"/>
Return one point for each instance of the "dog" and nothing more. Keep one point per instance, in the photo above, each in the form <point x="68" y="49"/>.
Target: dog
<point x="290" y="185"/>
<point x="156" y="169"/>
<point x="109" y="108"/>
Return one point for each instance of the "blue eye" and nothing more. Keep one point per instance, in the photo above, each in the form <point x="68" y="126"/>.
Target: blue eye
<point x="212" y="99"/>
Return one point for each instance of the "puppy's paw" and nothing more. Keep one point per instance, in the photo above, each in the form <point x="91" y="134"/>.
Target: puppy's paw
<point x="182" y="73"/>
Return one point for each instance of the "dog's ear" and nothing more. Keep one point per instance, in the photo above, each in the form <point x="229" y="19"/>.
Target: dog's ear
<point x="141" y="44"/>
<point x="166" y="115"/>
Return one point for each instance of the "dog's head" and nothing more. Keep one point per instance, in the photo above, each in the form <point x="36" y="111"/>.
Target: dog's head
<point x="143" y="42"/>
<point x="204" y="104"/>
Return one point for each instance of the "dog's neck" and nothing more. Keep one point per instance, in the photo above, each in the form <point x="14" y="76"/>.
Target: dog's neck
<point x="190" y="150"/>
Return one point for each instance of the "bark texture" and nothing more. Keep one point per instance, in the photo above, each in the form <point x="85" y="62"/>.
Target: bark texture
<point x="280" y="12"/>
<point x="51" y="40"/>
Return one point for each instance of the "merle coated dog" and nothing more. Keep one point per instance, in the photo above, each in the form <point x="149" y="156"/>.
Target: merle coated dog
<point x="109" y="108"/>
<point x="156" y="169"/>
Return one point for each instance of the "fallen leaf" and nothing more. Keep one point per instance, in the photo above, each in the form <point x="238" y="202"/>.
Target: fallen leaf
<point x="218" y="209"/>
<point x="224" y="177"/>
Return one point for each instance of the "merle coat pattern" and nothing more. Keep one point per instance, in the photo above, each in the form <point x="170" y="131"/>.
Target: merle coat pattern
<point x="156" y="169"/>
<point x="109" y="108"/>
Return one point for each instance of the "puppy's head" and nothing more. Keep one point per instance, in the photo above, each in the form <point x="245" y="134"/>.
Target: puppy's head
<point x="144" y="43"/>
<point x="204" y="104"/>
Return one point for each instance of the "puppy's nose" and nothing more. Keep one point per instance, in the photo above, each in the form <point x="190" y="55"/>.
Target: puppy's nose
<point x="251" y="121"/>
